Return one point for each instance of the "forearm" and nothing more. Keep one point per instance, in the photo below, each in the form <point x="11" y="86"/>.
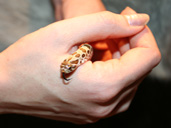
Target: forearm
<point x="73" y="8"/>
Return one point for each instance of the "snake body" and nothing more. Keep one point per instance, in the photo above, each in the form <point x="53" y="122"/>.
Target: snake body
<point x="83" y="54"/>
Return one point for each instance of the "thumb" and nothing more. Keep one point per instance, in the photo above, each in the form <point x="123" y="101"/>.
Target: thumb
<point x="99" y="26"/>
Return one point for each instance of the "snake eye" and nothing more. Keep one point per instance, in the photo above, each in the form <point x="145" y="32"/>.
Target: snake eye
<point x="69" y="68"/>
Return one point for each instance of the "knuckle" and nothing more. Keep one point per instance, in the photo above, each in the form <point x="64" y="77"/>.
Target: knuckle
<point x="92" y="120"/>
<point x="100" y="112"/>
<point x="157" y="56"/>
<point x="123" y="108"/>
<point x="106" y="17"/>
<point x="103" y="93"/>
<point x="104" y="96"/>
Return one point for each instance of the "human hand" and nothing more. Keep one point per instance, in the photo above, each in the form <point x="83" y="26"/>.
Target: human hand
<point x="30" y="79"/>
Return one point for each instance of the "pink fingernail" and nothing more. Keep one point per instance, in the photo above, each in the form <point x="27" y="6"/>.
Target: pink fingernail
<point x="137" y="19"/>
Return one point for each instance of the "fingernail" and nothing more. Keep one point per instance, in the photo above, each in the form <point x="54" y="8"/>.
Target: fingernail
<point x="127" y="7"/>
<point x="130" y="10"/>
<point x="137" y="19"/>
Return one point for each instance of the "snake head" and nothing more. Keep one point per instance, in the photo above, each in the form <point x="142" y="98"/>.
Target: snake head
<point x="67" y="68"/>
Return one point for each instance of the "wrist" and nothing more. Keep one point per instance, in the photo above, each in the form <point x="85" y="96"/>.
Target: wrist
<point x="11" y="86"/>
<point x="72" y="8"/>
<point x="4" y="84"/>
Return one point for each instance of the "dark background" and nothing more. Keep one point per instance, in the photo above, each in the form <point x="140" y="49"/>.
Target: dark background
<point x="151" y="105"/>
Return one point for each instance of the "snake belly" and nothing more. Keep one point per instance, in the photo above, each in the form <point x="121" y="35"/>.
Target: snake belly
<point x="83" y="54"/>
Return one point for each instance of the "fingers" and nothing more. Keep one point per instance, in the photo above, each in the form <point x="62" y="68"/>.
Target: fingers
<point x="144" y="39"/>
<point x="123" y="43"/>
<point x="134" y="42"/>
<point x="135" y="63"/>
<point x="145" y="57"/>
<point x="99" y="26"/>
<point x="114" y="49"/>
<point x="142" y="58"/>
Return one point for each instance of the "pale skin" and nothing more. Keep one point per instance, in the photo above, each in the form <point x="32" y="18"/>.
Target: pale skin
<point x="30" y="79"/>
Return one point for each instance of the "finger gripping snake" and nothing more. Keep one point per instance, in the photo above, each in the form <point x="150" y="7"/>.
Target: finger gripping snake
<point x="82" y="55"/>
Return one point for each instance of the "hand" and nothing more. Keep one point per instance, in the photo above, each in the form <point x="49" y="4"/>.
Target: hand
<point x="30" y="78"/>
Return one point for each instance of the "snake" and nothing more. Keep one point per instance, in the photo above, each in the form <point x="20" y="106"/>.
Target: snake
<point x="83" y="54"/>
